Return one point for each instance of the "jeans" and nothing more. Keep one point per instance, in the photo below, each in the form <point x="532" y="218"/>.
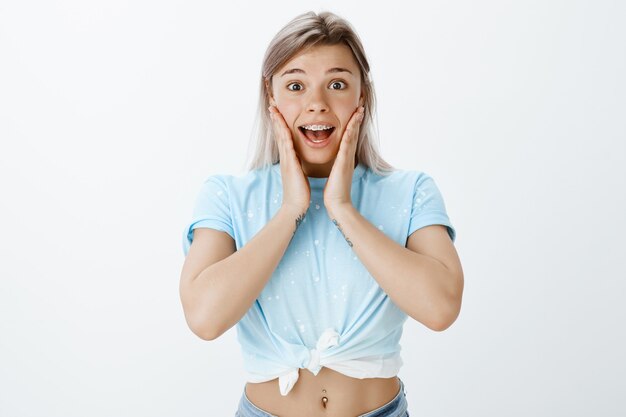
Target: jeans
<point x="397" y="407"/>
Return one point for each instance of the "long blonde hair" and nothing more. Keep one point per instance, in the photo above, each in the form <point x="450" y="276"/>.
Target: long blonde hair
<point x="304" y="31"/>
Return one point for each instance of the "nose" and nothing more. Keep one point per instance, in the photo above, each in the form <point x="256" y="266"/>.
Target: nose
<point x="317" y="102"/>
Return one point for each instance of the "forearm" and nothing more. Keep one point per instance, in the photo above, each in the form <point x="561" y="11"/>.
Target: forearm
<point x="228" y="288"/>
<point x="419" y="285"/>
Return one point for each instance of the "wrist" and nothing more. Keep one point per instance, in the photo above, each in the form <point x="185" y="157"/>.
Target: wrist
<point x="338" y="209"/>
<point x="293" y="211"/>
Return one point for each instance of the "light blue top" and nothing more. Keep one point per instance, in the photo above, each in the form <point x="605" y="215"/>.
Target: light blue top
<point x="320" y="283"/>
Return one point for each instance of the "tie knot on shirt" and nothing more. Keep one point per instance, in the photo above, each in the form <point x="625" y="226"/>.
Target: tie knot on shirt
<point x="328" y="338"/>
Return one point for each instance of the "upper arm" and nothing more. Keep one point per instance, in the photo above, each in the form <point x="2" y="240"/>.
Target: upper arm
<point x="428" y="207"/>
<point x="209" y="236"/>
<point x="208" y="247"/>
<point x="430" y="231"/>
<point x="434" y="241"/>
<point x="211" y="211"/>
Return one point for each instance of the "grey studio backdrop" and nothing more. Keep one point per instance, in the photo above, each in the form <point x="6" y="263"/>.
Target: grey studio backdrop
<point x="112" y="113"/>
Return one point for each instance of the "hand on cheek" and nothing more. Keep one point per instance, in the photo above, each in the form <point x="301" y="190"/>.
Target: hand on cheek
<point x="339" y="184"/>
<point x="296" y="189"/>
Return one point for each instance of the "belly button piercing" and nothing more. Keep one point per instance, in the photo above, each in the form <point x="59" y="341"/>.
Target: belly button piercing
<point x="324" y="399"/>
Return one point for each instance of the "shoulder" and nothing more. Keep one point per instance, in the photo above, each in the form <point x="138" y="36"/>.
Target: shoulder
<point x="398" y="178"/>
<point x="242" y="182"/>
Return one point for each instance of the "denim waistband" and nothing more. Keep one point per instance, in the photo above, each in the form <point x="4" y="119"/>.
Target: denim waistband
<point x="397" y="407"/>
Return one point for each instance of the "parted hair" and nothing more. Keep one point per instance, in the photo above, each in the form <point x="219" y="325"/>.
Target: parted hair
<point x="303" y="32"/>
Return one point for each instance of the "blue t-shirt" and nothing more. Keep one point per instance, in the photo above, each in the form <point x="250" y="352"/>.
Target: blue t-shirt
<point x="319" y="283"/>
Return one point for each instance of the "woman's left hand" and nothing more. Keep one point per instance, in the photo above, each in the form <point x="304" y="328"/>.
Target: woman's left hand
<point x="339" y="184"/>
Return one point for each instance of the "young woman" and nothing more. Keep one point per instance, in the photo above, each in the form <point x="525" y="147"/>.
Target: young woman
<point x="322" y="250"/>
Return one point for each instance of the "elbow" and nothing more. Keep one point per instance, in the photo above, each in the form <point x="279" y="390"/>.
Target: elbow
<point x="452" y="309"/>
<point x="441" y="325"/>
<point x="207" y="333"/>
<point x="208" y="336"/>
<point x="197" y="318"/>
<point x="204" y="329"/>
<point x="445" y="319"/>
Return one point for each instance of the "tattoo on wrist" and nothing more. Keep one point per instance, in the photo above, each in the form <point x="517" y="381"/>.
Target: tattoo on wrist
<point x="344" y="235"/>
<point x="299" y="221"/>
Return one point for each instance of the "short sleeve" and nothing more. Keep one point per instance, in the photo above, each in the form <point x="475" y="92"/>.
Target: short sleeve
<point x="428" y="206"/>
<point x="211" y="209"/>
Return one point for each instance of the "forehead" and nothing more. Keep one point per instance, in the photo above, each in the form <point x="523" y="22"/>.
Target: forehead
<point x="318" y="59"/>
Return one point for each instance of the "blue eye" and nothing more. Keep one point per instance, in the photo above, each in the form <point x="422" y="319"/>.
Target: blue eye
<point x="294" y="84"/>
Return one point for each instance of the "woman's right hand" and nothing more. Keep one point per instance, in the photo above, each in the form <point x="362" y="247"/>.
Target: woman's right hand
<point x="296" y="188"/>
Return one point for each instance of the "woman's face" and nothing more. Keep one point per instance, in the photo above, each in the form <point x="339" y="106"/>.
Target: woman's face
<point x="321" y="86"/>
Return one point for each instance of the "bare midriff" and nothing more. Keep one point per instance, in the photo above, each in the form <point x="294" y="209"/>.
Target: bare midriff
<point x="327" y="394"/>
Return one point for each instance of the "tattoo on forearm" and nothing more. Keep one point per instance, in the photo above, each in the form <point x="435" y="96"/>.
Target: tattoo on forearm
<point x="344" y="235"/>
<point x="299" y="221"/>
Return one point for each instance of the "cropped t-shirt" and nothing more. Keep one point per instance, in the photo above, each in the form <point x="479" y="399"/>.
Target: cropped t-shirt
<point x="321" y="307"/>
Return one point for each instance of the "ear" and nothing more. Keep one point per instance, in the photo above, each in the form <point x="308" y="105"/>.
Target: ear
<point x="269" y="93"/>
<point x="361" y="100"/>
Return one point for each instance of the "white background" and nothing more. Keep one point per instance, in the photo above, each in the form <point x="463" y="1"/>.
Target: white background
<point x="112" y="113"/>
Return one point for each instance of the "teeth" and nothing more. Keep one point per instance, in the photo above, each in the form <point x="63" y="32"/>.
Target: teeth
<point x="317" y="127"/>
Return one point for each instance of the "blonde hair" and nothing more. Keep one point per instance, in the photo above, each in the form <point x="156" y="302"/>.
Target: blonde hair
<point x="303" y="32"/>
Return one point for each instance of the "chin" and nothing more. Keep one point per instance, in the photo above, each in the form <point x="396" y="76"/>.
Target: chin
<point x="318" y="159"/>
<point x="317" y="156"/>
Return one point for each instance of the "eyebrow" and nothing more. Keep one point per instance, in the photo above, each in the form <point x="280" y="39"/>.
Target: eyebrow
<point x="298" y="70"/>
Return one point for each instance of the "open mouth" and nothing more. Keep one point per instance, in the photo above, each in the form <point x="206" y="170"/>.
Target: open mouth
<point x="316" y="136"/>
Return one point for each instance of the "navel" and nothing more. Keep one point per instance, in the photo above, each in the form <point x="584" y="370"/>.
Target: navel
<point x="324" y="398"/>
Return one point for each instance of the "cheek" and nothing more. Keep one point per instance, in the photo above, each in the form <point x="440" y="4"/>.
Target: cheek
<point x="290" y="111"/>
<point x="346" y="108"/>
<point x="345" y="116"/>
